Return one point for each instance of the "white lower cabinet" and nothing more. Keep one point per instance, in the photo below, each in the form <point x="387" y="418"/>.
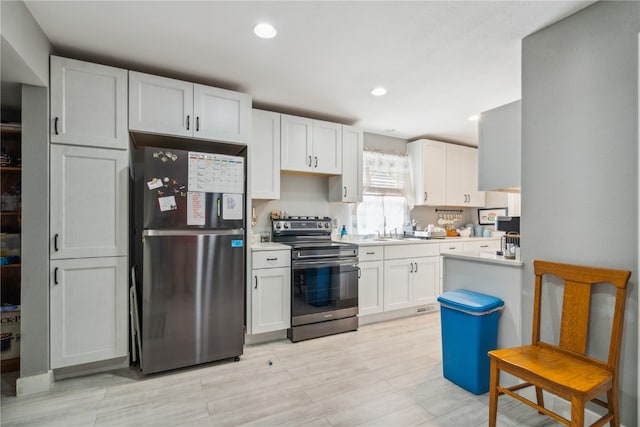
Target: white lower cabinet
<point x="410" y="282"/>
<point x="270" y="291"/>
<point x="371" y="281"/>
<point x="88" y="308"/>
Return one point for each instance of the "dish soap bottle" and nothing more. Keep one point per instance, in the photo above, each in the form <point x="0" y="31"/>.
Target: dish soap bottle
<point x="343" y="232"/>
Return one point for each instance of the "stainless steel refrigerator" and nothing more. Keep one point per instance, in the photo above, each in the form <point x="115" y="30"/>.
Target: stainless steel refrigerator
<point x="189" y="256"/>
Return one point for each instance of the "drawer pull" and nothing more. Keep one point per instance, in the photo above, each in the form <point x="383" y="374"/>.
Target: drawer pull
<point x="371" y="253"/>
<point x="484" y="246"/>
<point x="272" y="259"/>
<point x="453" y="248"/>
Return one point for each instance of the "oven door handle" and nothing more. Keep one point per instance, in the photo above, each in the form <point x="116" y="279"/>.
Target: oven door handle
<point x="319" y="255"/>
<point x="325" y="263"/>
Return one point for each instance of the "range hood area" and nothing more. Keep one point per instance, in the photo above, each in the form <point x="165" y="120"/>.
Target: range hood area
<point x="499" y="142"/>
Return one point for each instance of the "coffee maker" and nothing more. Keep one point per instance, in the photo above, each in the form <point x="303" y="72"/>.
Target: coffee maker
<point x="510" y="242"/>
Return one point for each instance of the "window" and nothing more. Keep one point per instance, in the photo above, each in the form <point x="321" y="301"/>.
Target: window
<point x="387" y="193"/>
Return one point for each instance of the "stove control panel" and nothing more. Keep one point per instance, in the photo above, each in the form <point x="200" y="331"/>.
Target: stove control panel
<point x="302" y="224"/>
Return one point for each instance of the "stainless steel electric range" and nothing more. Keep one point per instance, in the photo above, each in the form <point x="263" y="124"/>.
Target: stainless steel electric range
<point x="324" y="278"/>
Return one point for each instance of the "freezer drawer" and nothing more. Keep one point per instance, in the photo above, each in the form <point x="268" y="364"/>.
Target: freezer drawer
<point x="192" y="298"/>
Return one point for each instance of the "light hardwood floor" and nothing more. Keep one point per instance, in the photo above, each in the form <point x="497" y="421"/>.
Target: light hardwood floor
<point x="385" y="374"/>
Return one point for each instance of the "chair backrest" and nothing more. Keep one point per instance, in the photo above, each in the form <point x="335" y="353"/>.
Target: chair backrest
<point x="574" y="323"/>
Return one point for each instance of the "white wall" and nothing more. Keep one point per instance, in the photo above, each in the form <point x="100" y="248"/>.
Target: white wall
<point x="580" y="160"/>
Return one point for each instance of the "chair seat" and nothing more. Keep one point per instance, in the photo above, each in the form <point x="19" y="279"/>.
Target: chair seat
<point x="560" y="373"/>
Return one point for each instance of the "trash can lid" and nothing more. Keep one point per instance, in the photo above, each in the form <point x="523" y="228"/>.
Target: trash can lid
<point x="473" y="302"/>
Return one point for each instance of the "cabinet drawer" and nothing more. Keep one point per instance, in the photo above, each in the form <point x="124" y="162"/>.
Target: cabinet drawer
<point x="411" y="251"/>
<point x="271" y="259"/>
<point x="484" y="246"/>
<point x="370" y="253"/>
<point x="451" y="247"/>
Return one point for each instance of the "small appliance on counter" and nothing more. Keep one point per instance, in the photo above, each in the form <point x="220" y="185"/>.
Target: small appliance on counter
<point x="510" y="242"/>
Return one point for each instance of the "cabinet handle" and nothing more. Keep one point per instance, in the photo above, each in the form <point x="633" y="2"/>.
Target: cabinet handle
<point x="55" y="125"/>
<point x="55" y="242"/>
<point x="371" y="253"/>
<point x="453" y="248"/>
<point x="188" y="119"/>
<point x="345" y="191"/>
<point x="272" y="259"/>
<point x="425" y="196"/>
<point x="197" y="123"/>
<point x="484" y="246"/>
<point x="55" y="276"/>
<point x="309" y="161"/>
<point x="411" y="264"/>
<point x="359" y="273"/>
<point x="256" y="286"/>
<point x="316" y="157"/>
<point x="416" y="270"/>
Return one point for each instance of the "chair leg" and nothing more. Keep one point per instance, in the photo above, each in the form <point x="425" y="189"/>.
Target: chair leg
<point x="577" y="412"/>
<point x="494" y="377"/>
<point x="540" y="398"/>
<point x="612" y="401"/>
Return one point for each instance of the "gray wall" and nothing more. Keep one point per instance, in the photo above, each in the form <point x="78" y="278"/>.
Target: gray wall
<point x="34" y="344"/>
<point x="580" y="160"/>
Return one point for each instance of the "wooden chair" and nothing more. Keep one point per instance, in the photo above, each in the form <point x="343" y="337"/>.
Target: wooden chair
<point x="564" y="369"/>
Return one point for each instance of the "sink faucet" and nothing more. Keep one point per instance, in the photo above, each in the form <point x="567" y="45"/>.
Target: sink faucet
<point x="384" y="226"/>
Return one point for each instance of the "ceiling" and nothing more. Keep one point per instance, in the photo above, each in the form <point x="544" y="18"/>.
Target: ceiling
<point x="440" y="61"/>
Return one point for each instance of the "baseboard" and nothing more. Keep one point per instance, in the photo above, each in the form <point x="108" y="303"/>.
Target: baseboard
<point x="34" y="383"/>
<point x="265" y="337"/>
<point x="397" y="314"/>
<point x="91" y="368"/>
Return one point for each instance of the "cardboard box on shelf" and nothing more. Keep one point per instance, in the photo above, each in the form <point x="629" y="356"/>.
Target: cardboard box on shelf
<point x="9" y="332"/>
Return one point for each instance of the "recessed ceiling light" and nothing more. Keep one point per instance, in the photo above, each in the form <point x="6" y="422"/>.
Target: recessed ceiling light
<point x="265" y="31"/>
<point x="474" y="118"/>
<point x="379" y="91"/>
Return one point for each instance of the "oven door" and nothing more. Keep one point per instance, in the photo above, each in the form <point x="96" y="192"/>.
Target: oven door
<point x="323" y="290"/>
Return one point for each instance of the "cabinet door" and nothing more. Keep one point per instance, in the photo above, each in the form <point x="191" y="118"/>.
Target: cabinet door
<point x="89" y="202"/>
<point x="296" y="147"/>
<point x="264" y="154"/>
<point x="327" y="147"/>
<point x="160" y="105"/>
<point x="88" y="309"/>
<point x="428" y="160"/>
<point x="370" y="288"/>
<point x="271" y="300"/>
<point x="348" y="186"/>
<point x="426" y="280"/>
<point x="475" y="197"/>
<point x="456" y="175"/>
<point x="220" y="114"/>
<point x="88" y="104"/>
<point x="397" y="283"/>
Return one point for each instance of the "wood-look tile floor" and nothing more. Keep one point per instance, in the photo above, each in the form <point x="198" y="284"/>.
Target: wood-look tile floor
<point x="385" y="374"/>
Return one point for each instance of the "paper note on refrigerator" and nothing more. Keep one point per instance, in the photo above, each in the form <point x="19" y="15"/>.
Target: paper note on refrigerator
<point x="167" y="203"/>
<point x="216" y="173"/>
<point x="232" y="206"/>
<point x="196" y="211"/>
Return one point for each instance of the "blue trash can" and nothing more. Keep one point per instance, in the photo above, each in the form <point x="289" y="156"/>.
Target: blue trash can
<point x="469" y="322"/>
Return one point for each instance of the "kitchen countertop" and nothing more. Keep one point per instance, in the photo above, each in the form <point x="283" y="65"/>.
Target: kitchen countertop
<point x="269" y="246"/>
<point x="485" y="257"/>
<point x="411" y="240"/>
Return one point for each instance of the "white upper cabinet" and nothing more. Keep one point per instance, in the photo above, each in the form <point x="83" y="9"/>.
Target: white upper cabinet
<point x="89" y="202"/>
<point x="428" y="162"/>
<point x="462" y="177"/>
<point x="348" y="186"/>
<point x="160" y="105"/>
<point x="445" y="174"/>
<point x="309" y="145"/>
<point x="264" y="152"/>
<point x="88" y="104"/>
<point x="175" y="107"/>
<point x="220" y="114"/>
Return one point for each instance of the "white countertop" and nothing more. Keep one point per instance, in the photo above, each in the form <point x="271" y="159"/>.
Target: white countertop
<point x="488" y="257"/>
<point x="269" y="246"/>
<point x="406" y="241"/>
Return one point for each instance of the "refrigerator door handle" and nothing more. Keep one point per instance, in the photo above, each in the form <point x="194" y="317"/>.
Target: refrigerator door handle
<point x="177" y="232"/>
